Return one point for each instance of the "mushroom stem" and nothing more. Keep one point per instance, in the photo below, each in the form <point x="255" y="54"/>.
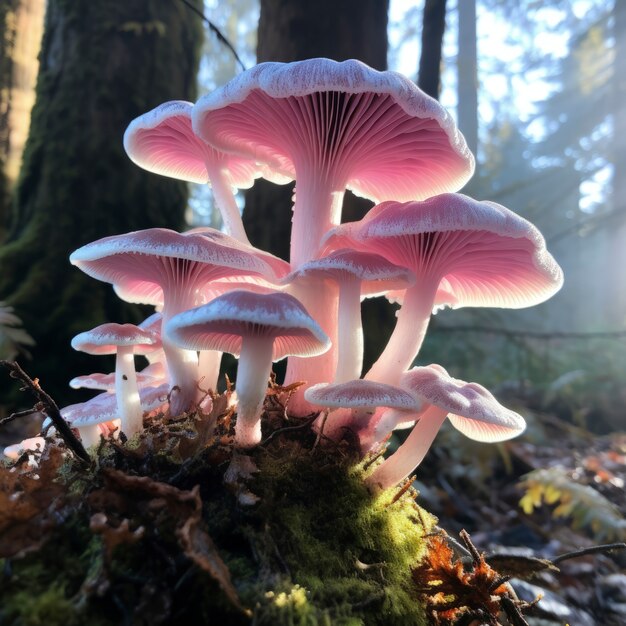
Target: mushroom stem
<point x="126" y="391"/>
<point x="408" y="334"/>
<point x="253" y="373"/>
<point x="411" y="453"/>
<point x="209" y="362"/>
<point x="315" y="211"/>
<point x="89" y="435"/>
<point x="350" y="333"/>
<point x="226" y="202"/>
<point x="319" y="298"/>
<point x="182" y="367"/>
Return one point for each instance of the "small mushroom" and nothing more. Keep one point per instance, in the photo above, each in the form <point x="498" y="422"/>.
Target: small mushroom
<point x="123" y="340"/>
<point x="259" y="328"/>
<point x="470" y="407"/>
<point x="355" y="273"/>
<point x="358" y="401"/>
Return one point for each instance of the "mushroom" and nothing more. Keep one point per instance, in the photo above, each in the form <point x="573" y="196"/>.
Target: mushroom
<point x="123" y="340"/>
<point x="162" y="141"/>
<point x="92" y="417"/>
<point x="355" y="273"/>
<point x="259" y="328"/>
<point x="106" y="382"/>
<point x="359" y="400"/>
<point x="470" y="407"/>
<point x="162" y="267"/>
<point x="474" y="253"/>
<point x="334" y="126"/>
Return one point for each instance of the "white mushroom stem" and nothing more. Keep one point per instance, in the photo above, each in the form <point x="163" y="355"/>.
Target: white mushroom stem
<point x="209" y="362"/>
<point x="411" y="453"/>
<point x="253" y="371"/>
<point x="225" y="199"/>
<point x="319" y="298"/>
<point x="89" y="435"/>
<point x="126" y="391"/>
<point x="350" y="332"/>
<point x="408" y="334"/>
<point x="381" y="426"/>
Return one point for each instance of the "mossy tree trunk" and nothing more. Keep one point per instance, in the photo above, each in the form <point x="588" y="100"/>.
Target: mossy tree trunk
<point x="102" y="64"/>
<point x="21" y="24"/>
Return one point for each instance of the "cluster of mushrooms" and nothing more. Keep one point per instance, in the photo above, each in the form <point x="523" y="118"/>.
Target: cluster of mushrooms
<point x="330" y="127"/>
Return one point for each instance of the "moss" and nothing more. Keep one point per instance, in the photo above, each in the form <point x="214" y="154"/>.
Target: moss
<point x="317" y="549"/>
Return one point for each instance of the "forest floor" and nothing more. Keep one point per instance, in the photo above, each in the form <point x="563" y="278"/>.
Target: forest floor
<point x="554" y="496"/>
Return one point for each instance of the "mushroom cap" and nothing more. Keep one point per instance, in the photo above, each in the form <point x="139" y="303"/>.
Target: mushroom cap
<point x="163" y="142"/>
<point x="377" y="274"/>
<point x="107" y="338"/>
<point x="221" y="324"/>
<point x="383" y="136"/>
<point x="484" y="254"/>
<point x="472" y="409"/>
<point x="141" y="263"/>
<point x="104" y="407"/>
<point x="361" y="394"/>
<point x="106" y="382"/>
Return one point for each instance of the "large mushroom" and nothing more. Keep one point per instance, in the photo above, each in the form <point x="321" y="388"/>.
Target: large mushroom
<point x="123" y="340"/>
<point x="259" y="328"/>
<point x="162" y="141"/>
<point x="470" y="407"/>
<point x="474" y="253"/>
<point x="162" y="267"/>
<point x="334" y="126"/>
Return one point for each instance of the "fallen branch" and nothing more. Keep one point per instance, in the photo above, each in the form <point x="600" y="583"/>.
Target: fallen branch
<point x="48" y="406"/>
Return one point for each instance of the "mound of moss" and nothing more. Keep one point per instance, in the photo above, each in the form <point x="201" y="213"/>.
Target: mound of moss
<point x="169" y="528"/>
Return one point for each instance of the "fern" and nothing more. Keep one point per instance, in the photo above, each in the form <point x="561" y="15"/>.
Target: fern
<point x="13" y="338"/>
<point x="586" y="507"/>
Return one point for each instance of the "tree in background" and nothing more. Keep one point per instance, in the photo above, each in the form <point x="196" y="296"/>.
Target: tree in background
<point x="102" y="64"/>
<point x="21" y="24"/>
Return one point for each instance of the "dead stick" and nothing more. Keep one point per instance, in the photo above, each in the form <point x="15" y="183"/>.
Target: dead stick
<point x="592" y="550"/>
<point x="50" y="408"/>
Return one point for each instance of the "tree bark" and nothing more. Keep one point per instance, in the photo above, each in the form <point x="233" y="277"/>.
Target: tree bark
<point x="21" y="26"/>
<point x="467" y="106"/>
<point x="616" y="260"/>
<point x="433" y="27"/>
<point x="102" y="64"/>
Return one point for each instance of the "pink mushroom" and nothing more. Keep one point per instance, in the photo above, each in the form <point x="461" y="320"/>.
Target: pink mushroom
<point x="162" y="267"/>
<point x="356" y="274"/>
<point x="259" y="328"/>
<point x="123" y="340"/>
<point x="471" y="408"/>
<point x="162" y="141"/>
<point x="358" y="402"/>
<point x="333" y="126"/>
<point x="478" y="253"/>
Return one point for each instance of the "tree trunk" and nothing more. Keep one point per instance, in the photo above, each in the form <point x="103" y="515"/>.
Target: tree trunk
<point x="433" y="27"/>
<point x="467" y="107"/>
<point x="102" y="64"/>
<point x="291" y="30"/>
<point x="21" y="26"/>
<point x="617" y="251"/>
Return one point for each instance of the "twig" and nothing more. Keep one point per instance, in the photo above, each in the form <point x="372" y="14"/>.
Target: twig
<point x="18" y="414"/>
<point x="607" y="547"/>
<point x="50" y="408"/>
<point x="218" y="33"/>
<point x="308" y="422"/>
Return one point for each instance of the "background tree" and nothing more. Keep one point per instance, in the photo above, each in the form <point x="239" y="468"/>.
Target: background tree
<point x="102" y="64"/>
<point x="21" y="24"/>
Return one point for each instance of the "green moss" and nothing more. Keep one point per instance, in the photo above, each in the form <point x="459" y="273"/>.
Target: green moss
<point x="317" y="549"/>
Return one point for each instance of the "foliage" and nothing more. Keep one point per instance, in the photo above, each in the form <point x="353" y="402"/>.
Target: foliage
<point x="13" y="338"/>
<point x="582" y="504"/>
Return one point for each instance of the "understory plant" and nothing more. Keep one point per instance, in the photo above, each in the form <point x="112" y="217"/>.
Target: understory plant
<point x="295" y="472"/>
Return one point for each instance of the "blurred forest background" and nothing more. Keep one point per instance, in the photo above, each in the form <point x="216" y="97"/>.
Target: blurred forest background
<point x="539" y="90"/>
